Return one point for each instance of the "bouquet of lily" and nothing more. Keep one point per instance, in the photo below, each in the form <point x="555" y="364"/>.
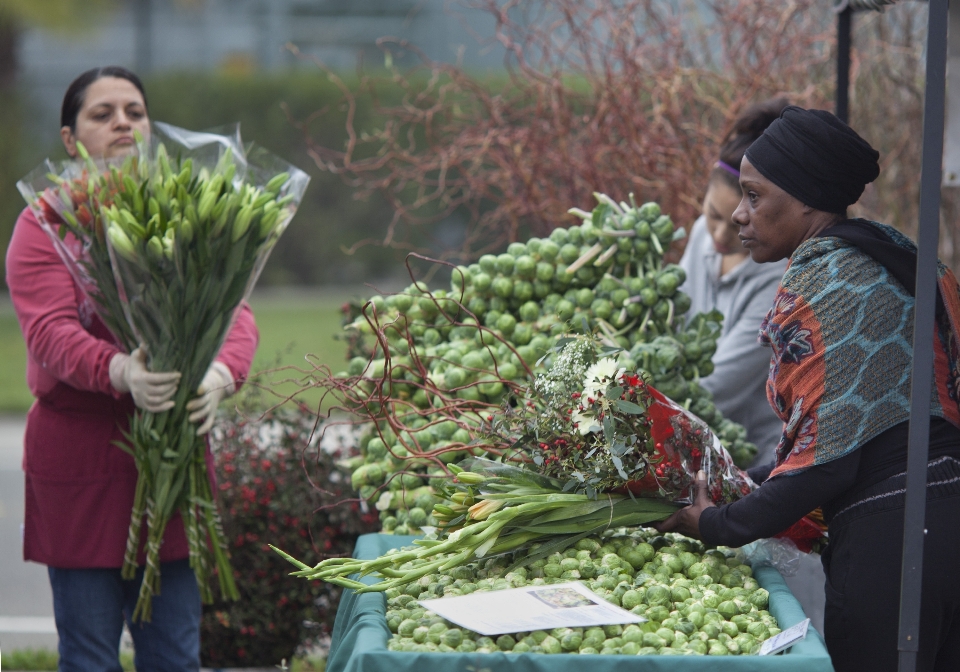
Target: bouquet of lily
<point x="167" y="243"/>
<point x="491" y="509"/>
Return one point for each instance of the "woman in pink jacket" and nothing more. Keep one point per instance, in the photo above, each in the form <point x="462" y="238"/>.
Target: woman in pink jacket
<point x="79" y="484"/>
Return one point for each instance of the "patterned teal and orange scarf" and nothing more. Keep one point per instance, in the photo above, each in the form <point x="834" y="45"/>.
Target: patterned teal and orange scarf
<point x="841" y="330"/>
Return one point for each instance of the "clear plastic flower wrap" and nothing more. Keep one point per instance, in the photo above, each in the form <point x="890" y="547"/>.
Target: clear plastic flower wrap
<point x="682" y="445"/>
<point x="167" y="243"/>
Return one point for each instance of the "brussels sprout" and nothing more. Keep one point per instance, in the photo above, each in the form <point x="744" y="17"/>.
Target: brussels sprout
<point x="420" y="634"/>
<point x="717" y="649"/>
<point x="631" y="599"/>
<point x="727" y="609"/>
<point x="506" y="264"/>
<point x="526" y="266"/>
<point x="586" y="275"/>
<point x="696" y="618"/>
<point x="658" y="596"/>
<point x="667" y="284"/>
<point x="657" y="613"/>
<point x="602" y="308"/>
<point x="454" y="377"/>
<point x="653" y="640"/>
<point x="571" y="641"/>
<point x="435" y="632"/>
<point x="565" y="310"/>
<point x="503" y="287"/>
<point x="552" y="571"/>
<point x="760" y="598"/>
<point x="530" y="311"/>
<point x="506" y="323"/>
<point x="633" y="633"/>
<point x="672" y="562"/>
<point x="666" y="634"/>
<point x="662" y="228"/>
<point x="569" y="253"/>
<point x="549" y="249"/>
<point x="741" y="621"/>
<point x="747" y="643"/>
<point x="406" y="627"/>
<point x="649" y="297"/>
<point x="585" y="297"/>
<point x="550" y="645"/>
<point x="757" y="630"/>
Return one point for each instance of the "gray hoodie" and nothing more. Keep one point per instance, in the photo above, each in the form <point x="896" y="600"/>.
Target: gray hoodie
<point x="741" y="364"/>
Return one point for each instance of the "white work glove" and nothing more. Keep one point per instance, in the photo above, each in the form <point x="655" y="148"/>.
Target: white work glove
<point x="217" y="385"/>
<point x="151" y="391"/>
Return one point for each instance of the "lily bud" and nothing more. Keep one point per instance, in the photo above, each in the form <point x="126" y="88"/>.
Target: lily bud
<point x="470" y="478"/>
<point x="121" y="243"/>
<point x="483" y="510"/>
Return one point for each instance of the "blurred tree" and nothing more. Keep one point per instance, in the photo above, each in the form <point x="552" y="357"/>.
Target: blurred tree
<point x="16" y="15"/>
<point x="330" y="219"/>
<point x="17" y="151"/>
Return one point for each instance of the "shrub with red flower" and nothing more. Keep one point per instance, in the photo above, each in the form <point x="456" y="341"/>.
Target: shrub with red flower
<point x="271" y="491"/>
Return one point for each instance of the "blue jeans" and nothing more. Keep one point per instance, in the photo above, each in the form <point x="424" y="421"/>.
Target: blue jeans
<point x="90" y="606"/>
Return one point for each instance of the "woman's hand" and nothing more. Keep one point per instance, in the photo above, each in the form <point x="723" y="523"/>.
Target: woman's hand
<point x="151" y="391"/>
<point x="686" y="521"/>
<point x="217" y="385"/>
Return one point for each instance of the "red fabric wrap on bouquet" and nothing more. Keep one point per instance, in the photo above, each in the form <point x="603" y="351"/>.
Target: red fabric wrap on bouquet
<point x="684" y="445"/>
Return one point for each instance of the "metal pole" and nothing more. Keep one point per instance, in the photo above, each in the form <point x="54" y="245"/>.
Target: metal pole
<point x="921" y="384"/>
<point x="844" y="19"/>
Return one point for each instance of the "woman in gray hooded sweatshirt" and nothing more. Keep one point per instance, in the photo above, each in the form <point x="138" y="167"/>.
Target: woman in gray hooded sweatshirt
<point x="722" y="276"/>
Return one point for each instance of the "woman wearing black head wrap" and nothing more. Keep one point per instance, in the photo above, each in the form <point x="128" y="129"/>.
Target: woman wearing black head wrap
<point x="840" y="331"/>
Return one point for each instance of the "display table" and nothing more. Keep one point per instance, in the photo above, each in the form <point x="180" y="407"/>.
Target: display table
<point x="360" y="637"/>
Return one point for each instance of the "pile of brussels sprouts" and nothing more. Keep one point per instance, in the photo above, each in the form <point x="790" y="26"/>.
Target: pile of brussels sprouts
<point x="606" y="275"/>
<point x="696" y="601"/>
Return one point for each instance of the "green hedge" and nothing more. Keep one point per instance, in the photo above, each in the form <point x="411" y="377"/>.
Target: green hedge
<point x="311" y="252"/>
<point x="19" y="154"/>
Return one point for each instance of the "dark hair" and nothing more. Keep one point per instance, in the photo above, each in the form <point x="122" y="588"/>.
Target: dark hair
<point x="749" y="126"/>
<point x="73" y="98"/>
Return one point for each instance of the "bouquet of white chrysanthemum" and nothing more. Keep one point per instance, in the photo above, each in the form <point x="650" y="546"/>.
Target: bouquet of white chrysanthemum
<point x="167" y="243"/>
<point x="598" y="428"/>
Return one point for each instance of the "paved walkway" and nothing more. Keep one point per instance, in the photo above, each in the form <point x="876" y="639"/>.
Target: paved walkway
<point x="26" y="606"/>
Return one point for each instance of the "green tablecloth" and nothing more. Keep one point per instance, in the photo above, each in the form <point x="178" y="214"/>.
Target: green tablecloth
<point x="360" y="636"/>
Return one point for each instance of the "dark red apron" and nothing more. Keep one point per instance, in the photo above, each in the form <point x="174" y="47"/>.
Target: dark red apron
<point x="80" y="485"/>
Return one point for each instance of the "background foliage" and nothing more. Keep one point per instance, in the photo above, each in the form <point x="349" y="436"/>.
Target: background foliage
<point x="620" y="97"/>
<point x="632" y="95"/>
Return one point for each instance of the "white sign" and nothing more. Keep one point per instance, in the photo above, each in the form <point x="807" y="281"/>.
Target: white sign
<point x="531" y="608"/>
<point x="785" y="639"/>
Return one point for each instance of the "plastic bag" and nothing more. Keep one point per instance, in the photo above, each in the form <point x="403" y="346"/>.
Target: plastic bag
<point x="782" y="554"/>
<point x="69" y="207"/>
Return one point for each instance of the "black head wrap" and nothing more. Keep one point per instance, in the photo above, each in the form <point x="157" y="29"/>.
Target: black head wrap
<point x="816" y="158"/>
